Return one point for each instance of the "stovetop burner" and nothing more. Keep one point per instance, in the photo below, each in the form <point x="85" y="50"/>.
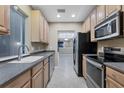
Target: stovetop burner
<point x="108" y="58"/>
<point x="110" y="55"/>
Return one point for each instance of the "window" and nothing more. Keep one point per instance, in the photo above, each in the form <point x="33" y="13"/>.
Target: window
<point x="9" y="43"/>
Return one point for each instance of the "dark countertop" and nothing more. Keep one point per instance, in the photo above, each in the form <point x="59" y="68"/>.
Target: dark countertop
<point x="9" y="71"/>
<point x="119" y="66"/>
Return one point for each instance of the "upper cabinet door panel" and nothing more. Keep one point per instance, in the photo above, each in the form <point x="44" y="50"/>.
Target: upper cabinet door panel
<point x="87" y="24"/>
<point x="35" y="26"/>
<point x="100" y="13"/>
<point x="4" y="19"/>
<point x="1" y="15"/>
<point x="93" y="19"/>
<point x="110" y="9"/>
<point x="93" y="24"/>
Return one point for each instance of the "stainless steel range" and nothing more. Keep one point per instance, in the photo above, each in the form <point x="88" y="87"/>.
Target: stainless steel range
<point x="96" y="68"/>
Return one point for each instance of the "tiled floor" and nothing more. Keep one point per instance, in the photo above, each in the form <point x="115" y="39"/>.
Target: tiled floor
<point x="64" y="75"/>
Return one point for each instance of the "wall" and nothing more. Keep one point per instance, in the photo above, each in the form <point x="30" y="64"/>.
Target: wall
<point x="33" y="46"/>
<point x="117" y="42"/>
<point x="54" y="28"/>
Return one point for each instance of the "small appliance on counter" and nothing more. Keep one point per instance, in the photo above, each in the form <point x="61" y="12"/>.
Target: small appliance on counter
<point x="82" y="45"/>
<point x="96" y="68"/>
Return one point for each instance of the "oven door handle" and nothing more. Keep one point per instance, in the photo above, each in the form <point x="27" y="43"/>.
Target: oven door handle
<point x="96" y="64"/>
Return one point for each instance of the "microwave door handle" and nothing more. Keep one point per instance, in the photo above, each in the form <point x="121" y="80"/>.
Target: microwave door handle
<point x="109" y="28"/>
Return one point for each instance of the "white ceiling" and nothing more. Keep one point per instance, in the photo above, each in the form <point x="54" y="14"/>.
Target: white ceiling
<point x="50" y="12"/>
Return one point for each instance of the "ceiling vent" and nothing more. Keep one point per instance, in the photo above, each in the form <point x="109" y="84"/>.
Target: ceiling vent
<point x="61" y="10"/>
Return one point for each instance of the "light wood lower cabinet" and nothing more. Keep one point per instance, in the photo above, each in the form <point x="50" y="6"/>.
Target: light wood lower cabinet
<point x="36" y="77"/>
<point x="27" y="85"/>
<point x="114" y="79"/>
<point x="37" y="80"/>
<point x="20" y="81"/>
<point x="110" y="83"/>
<point x="46" y="73"/>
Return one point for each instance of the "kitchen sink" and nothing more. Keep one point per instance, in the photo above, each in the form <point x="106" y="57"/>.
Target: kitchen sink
<point x="29" y="59"/>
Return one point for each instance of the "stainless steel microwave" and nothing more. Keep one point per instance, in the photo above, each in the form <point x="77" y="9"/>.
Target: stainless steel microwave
<point x="110" y="27"/>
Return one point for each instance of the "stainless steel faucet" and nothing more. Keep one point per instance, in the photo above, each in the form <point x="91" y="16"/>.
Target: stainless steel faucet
<point x="19" y="51"/>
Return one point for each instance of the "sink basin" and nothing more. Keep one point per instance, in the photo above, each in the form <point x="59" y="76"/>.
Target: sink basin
<point x="29" y="59"/>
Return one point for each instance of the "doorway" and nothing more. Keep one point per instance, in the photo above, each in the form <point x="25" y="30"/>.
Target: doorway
<point x="65" y="42"/>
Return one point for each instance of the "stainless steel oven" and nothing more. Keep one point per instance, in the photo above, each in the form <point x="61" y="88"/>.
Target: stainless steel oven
<point x="95" y="74"/>
<point x="111" y="27"/>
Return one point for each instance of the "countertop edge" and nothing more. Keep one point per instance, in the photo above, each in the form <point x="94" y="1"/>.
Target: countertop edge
<point x="113" y="67"/>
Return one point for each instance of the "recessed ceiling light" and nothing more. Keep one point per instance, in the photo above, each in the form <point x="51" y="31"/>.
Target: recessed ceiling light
<point x="73" y="15"/>
<point x="58" y="16"/>
<point x="66" y="39"/>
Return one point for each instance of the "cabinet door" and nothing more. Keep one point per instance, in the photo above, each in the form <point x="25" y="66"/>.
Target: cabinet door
<point x="27" y="85"/>
<point x="41" y="29"/>
<point x="46" y="77"/>
<point x="87" y="24"/>
<point x="45" y="31"/>
<point x="7" y="17"/>
<point x="35" y="26"/>
<point x="110" y="9"/>
<point x="3" y="20"/>
<point x="20" y="81"/>
<point x="100" y="13"/>
<point x="93" y="24"/>
<point x="37" y="80"/>
<point x="123" y="8"/>
<point x="1" y="15"/>
<point x="110" y="83"/>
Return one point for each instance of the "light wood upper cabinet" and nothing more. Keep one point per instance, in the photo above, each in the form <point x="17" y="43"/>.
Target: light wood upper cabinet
<point x="46" y="29"/>
<point x="4" y="19"/>
<point x="93" y="24"/>
<point x="100" y="13"/>
<point x="39" y="27"/>
<point x="110" y="9"/>
<point x="35" y="33"/>
<point x="87" y="24"/>
<point x="122" y="8"/>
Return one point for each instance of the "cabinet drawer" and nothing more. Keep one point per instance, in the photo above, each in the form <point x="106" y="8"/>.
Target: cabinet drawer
<point x="115" y="75"/>
<point x="20" y="81"/>
<point x="37" y="68"/>
<point x="112" y="84"/>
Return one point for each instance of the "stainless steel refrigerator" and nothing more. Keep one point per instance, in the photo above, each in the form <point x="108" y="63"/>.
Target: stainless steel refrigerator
<point x="82" y="45"/>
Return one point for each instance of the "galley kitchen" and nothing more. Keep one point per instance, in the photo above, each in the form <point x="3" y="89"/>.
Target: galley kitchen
<point x="61" y="46"/>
